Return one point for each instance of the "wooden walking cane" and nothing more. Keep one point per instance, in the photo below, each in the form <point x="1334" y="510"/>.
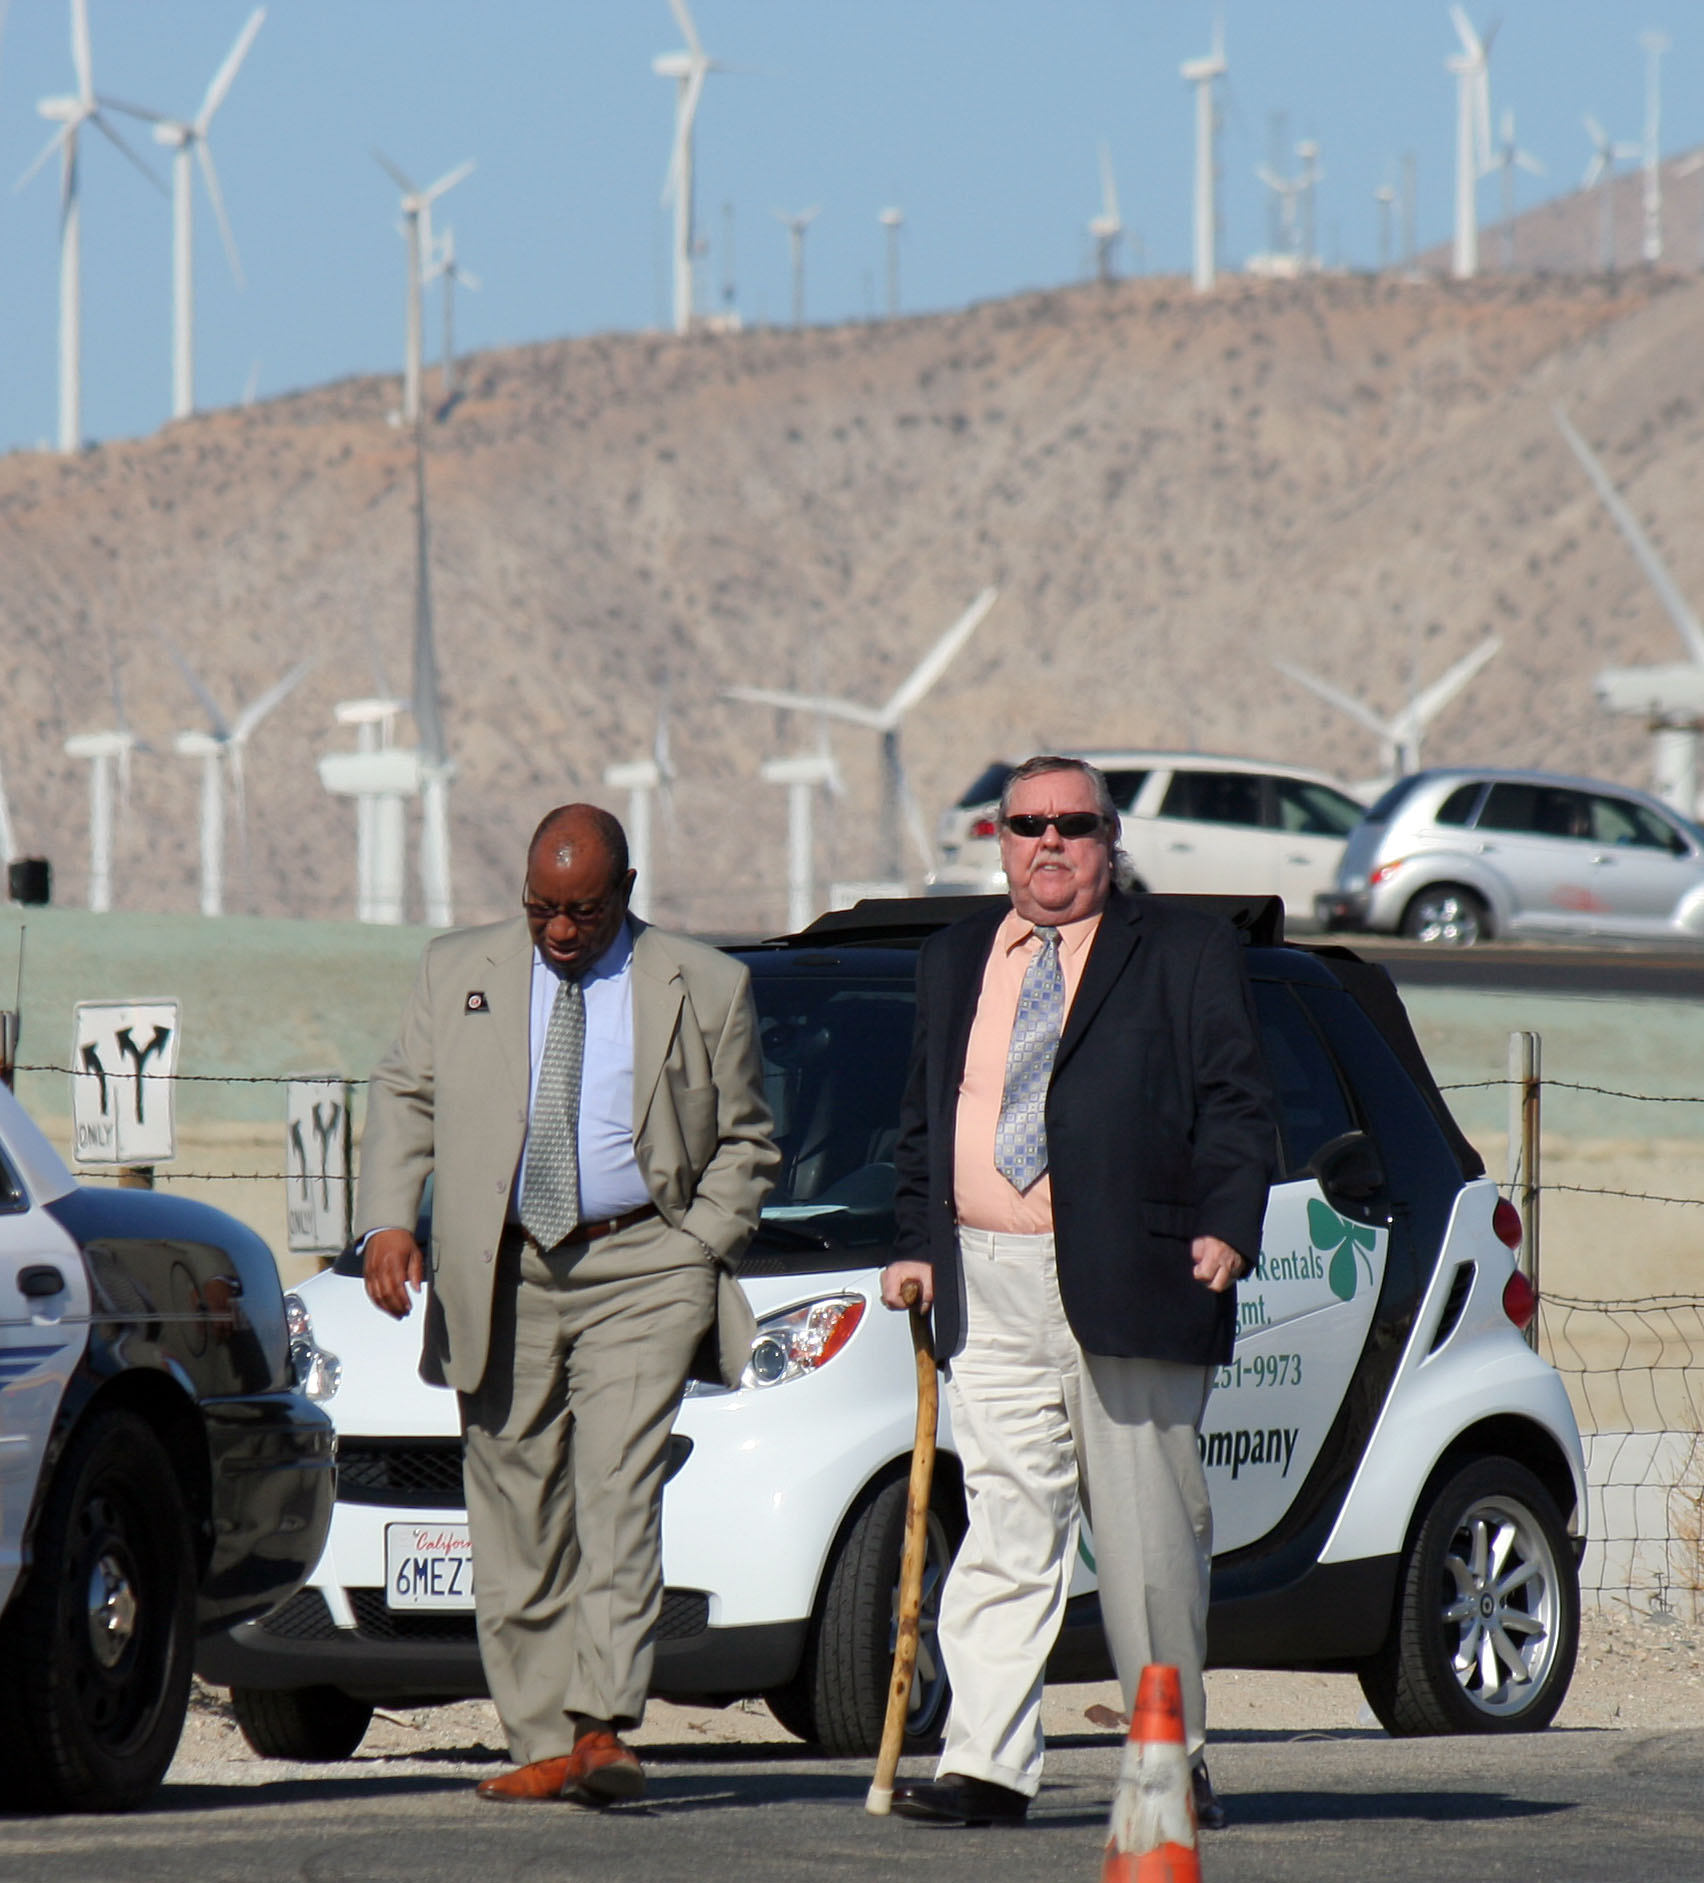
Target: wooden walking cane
<point x="880" y="1797"/>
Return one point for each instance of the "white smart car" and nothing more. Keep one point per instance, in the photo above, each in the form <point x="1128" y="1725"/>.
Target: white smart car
<point x="1397" y="1478"/>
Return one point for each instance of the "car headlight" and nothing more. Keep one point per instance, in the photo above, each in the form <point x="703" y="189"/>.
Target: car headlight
<point x="317" y="1371"/>
<point x="801" y="1340"/>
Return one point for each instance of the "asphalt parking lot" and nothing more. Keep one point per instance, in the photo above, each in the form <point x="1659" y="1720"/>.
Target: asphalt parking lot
<point x="1583" y="1804"/>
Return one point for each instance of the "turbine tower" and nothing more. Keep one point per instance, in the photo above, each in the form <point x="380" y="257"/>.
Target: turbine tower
<point x="688" y="68"/>
<point x="643" y="779"/>
<point x="416" y="210"/>
<point x="796" y="225"/>
<point x="897" y="803"/>
<point x="446" y="269"/>
<point x="802" y="775"/>
<point x="1385" y="197"/>
<point x="1309" y="180"/>
<point x="1669" y="699"/>
<point x="1655" y="45"/>
<point x="1106" y="228"/>
<point x="1202" y="74"/>
<point x="106" y="752"/>
<point x="1472" y="69"/>
<point x="1399" y="735"/>
<point x="380" y="777"/>
<point x="892" y="220"/>
<point x="1600" y="173"/>
<point x="71" y="113"/>
<point x="1507" y="159"/>
<point x="187" y="140"/>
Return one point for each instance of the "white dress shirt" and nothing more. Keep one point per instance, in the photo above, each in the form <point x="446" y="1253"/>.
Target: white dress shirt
<point x="610" y="1179"/>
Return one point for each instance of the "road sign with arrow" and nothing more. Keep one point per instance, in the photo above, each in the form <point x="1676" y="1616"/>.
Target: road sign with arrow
<point x="123" y="1059"/>
<point x="316" y="1165"/>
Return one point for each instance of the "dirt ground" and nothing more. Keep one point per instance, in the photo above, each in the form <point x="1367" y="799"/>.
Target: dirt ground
<point x="1632" y="1671"/>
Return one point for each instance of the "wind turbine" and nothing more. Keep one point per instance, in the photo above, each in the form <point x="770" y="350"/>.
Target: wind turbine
<point x="380" y="777"/>
<point x="108" y="754"/>
<point x="1669" y="699"/>
<point x="1385" y="197"/>
<point x="72" y="112"/>
<point x="892" y="220"/>
<point x="221" y="750"/>
<point x="688" y="68"/>
<point x="416" y="208"/>
<point x="802" y="775"/>
<point x="1106" y="228"/>
<point x="1202" y="74"/>
<point x="446" y="269"/>
<point x="1655" y="45"/>
<point x="187" y="140"/>
<point x="1600" y="172"/>
<point x="1284" y="193"/>
<point x="643" y="779"/>
<point x="1399" y="736"/>
<point x="796" y="225"/>
<point x="887" y="720"/>
<point x="1507" y="159"/>
<point x="1471" y="67"/>
<point x="1306" y="183"/>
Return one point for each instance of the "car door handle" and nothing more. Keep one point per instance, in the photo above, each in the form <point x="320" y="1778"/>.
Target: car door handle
<point x="1484" y="849"/>
<point x="1304" y="861"/>
<point x="40" y="1280"/>
<point x="1600" y="861"/>
<point x="1180" y="846"/>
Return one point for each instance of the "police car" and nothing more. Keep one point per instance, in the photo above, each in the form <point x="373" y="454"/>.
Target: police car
<point x="159" y="1475"/>
<point x="1397" y="1478"/>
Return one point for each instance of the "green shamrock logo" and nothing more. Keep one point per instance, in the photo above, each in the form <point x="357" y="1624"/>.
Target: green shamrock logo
<point x="1343" y="1240"/>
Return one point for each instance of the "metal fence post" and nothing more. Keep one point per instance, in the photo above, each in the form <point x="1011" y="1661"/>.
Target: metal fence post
<point x="1525" y="1082"/>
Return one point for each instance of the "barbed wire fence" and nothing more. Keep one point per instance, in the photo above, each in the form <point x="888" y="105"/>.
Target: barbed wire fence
<point x="1633" y="1368"/>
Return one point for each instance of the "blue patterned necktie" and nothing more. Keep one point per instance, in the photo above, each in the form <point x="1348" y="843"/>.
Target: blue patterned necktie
<point x="1020" y="1138"/>
<point x="550" y="1191"/>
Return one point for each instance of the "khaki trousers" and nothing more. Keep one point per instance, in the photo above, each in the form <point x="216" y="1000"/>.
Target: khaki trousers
<point x="1043" y="1428"/>
<point x="566" y="1442"/>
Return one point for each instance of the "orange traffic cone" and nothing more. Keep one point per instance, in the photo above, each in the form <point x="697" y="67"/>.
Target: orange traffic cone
<point x="1152" y="1835"/>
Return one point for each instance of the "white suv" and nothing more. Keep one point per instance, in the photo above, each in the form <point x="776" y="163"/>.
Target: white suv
<point x="1193" y="823"/>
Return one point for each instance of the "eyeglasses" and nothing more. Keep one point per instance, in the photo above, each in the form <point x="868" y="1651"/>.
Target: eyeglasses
<point x="581" y="914"/>
<point x="1067" y="823"/>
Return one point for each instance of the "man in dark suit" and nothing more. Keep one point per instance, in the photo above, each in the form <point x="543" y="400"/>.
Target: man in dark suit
<point x="1085" y="1148"/>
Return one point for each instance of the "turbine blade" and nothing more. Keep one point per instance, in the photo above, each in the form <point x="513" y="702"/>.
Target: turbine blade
<point x="204" y="156"/>
<point x="395" y="175"/>
<point x="42" y="155"/>
<point x="1426" y="706"/>
<point x="941" y="656"/>
<point x="1644" y="552"/>
<point x="221" y="82"/>
<point x="1464" y="31"/>
<point x="848" y="710"/>
<point x="1529" y="163"/>
<point x="690" y="32"/>
<point x="256" y="710"/>
<point x="445" y="183"/>
<point x="1595" y="131"/>
<point x="221" y="730"/>
<point x="112" y="137"/>
<point x="1334" y="696"/>
<point x="107" y="102"/>
<point x="81" y="56"/>
<point x="1109" y="185"/>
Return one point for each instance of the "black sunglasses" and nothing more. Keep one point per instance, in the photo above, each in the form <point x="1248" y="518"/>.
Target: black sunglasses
<point x="1067" y="823"/>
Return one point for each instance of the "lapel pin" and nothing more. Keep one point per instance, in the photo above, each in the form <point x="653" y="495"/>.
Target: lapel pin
<point x="477" y="1003"/>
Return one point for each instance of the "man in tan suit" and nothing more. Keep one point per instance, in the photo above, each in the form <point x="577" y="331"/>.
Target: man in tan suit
<point x="587" y="1091"/>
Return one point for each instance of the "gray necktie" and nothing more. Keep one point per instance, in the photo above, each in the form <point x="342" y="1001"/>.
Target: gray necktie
<point x="1020" y="1138"/>
<point x="550" y="1195"/>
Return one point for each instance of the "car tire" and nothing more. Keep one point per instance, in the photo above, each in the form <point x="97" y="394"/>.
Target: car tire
<point x="97" y="1645"/>
<point x="1447" y="915"/>
<point x="1489" y="1583"/>
<point x="838" y="1699"/>
<point x="313" y="1724"/>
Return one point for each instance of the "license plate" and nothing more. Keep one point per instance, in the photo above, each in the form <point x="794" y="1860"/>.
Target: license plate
<point x="428" y="1566"/>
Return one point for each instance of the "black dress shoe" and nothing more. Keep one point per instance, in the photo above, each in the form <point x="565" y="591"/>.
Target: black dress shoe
<point x="1209" y="1813"/>
<point x="955" y="1800"/>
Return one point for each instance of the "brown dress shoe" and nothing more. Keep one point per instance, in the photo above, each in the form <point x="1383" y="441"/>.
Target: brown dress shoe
<point x="542" y="1779"/>
<point x="601" y="1771"/>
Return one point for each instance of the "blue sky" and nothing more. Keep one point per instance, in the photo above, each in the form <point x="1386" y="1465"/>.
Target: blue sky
<point x="980" y="120"/>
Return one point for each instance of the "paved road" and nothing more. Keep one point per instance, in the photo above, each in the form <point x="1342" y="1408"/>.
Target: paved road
<point x="1668" y="972"/>
<point x="1564" y="1807"/>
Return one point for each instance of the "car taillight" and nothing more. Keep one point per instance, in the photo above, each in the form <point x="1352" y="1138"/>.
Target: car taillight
<point x="1520" y="1300"/>
<point x="1506" y="1223"/>
<point x="1377" y="876"/>
<point x="985" y="827"/>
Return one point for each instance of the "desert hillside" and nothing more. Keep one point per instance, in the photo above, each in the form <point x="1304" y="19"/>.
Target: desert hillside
<point x="1359" y="474"/>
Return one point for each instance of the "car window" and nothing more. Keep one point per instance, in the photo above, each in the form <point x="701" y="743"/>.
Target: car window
<point x="835" y="1054"/>
<point x="1537" y="810"/>
<point x="1213" y="797"/>
<point x="988" y="785"/>
<point x="1621" y="822"/>
<point x="12" y="1198"/>
<point x="1315" y="810"/>
<point x="1457" y="808"/>
<point x="1312" y="1108"/>
<point x="1385" y="806"/>
<point x="1124" y="785"/>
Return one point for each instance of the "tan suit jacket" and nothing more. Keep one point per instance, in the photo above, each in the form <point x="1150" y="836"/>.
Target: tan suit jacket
<point x="451" y="1098"/>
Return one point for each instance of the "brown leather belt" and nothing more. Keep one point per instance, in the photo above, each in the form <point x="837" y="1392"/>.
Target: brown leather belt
<point x="595" y="1232"/>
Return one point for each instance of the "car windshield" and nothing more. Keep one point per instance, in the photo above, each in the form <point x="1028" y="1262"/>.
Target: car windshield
<point x="835" y="1053"/>
<point x="987" y="786"/>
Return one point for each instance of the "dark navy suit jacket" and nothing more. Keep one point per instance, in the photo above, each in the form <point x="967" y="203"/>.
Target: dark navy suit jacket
<point x="1160" y="1128"/>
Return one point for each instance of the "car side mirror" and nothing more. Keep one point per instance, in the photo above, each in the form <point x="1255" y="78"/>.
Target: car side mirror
<point x="1348" y="1168"/>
